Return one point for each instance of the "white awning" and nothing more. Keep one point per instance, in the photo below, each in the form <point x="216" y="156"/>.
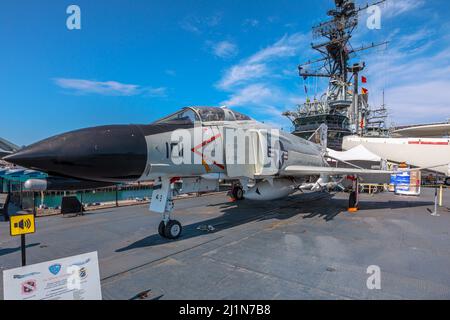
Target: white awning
<point x="358" y="153"/>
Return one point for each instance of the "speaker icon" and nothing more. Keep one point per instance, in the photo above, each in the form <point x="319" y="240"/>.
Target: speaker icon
<point x="23" y="224"/>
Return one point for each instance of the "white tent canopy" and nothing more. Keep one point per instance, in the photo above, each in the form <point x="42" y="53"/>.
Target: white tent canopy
<point x="358" y="153"/>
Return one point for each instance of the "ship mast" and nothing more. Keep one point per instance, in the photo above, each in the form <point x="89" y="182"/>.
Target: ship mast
<point x="336" y="52"/>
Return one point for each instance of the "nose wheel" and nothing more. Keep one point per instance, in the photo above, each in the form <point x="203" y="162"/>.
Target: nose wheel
<point x="237" y="192"/>
<point x="170" y="230"/>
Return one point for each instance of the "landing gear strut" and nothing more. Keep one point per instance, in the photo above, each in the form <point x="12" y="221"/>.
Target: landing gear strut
<point x="353" y="199"/>
<point x="352" y="203"/>
<point x="162" y="202"/>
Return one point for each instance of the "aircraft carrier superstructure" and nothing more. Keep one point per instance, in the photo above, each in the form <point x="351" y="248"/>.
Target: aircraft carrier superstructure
<point x="342" y="108"/>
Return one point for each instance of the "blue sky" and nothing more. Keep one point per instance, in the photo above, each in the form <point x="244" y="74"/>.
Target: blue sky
<point x="136" y="61"/>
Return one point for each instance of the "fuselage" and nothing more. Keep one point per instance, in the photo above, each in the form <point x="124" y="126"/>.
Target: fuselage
<point x="192" y="142"/>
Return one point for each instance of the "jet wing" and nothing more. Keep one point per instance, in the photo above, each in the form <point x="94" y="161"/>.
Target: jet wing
<point x="4" y="153"/>
<point x="309" y="170"/>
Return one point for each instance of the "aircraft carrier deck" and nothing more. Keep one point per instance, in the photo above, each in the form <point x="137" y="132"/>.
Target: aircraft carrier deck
<point x="291" y="249"/>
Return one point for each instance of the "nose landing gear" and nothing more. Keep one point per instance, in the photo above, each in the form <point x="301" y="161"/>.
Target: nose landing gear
<point x="162" y="203"/>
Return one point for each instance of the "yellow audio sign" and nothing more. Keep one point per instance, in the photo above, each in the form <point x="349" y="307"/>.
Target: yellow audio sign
<point x="21" y="224"/>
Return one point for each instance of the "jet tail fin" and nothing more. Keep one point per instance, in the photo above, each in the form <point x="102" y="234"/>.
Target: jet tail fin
<point x="320" y="136"/>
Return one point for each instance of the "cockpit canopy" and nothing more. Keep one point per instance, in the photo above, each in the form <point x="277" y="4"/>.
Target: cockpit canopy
<point x="204" y="114"/>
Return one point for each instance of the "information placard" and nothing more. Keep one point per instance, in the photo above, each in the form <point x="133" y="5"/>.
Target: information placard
<point x="21" y="224"/>
<point x="72" y="278"/>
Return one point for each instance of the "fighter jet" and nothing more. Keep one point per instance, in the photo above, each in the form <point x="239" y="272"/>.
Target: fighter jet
<point x="7" y="147"/>
<point x="190" y="151"/>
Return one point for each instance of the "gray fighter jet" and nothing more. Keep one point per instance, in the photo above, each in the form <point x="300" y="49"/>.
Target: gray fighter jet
<point x="189" y="151"/>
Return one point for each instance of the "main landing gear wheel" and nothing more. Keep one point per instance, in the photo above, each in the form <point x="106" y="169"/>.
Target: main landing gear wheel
<point x="172" y="230"/>
<point x="238" y="193"/>
<point x="447" y="181"/>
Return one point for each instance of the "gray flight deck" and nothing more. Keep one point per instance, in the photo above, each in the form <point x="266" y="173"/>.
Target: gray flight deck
<point x="295" y="248"/>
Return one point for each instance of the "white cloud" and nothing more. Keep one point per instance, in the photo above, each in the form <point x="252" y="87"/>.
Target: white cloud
<point x="160" y="92"/>
<point x="416" y="102"/>
<point x="171" y="72"/>
<point x="114" y="88"/>
<point x="414" y="71"/>
<point x="198" y="25"/>
<point x="265" y="100"/>
<point x="225" y="49"/>
<point x="394" y="8"/>
<point x="253" y="94"/>
<point x="250" y="23"/>
<point x="390" y="9"/>
<point x="415" y="74"/>
<point x="287" y="46"/>
<point x="254" y="84"/>
<point x="259" y="65"/>
<point x="190" y="25"/>
<point x="242" y="73"/>
<point x="213" y="20"/>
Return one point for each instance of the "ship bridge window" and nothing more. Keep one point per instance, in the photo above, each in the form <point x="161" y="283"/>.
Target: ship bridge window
<point x="185" y="116"/>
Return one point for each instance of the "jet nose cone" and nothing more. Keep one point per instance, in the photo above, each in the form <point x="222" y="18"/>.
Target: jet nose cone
<point x="108" y="153"/>
<point x="29" y="157"/>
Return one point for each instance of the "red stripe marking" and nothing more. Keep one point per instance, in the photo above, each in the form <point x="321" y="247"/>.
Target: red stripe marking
<point x="221" y="166"/>
<point x="174" y="179"/>
<point x="204" y="143"/>
<point x="429" y="143"/>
